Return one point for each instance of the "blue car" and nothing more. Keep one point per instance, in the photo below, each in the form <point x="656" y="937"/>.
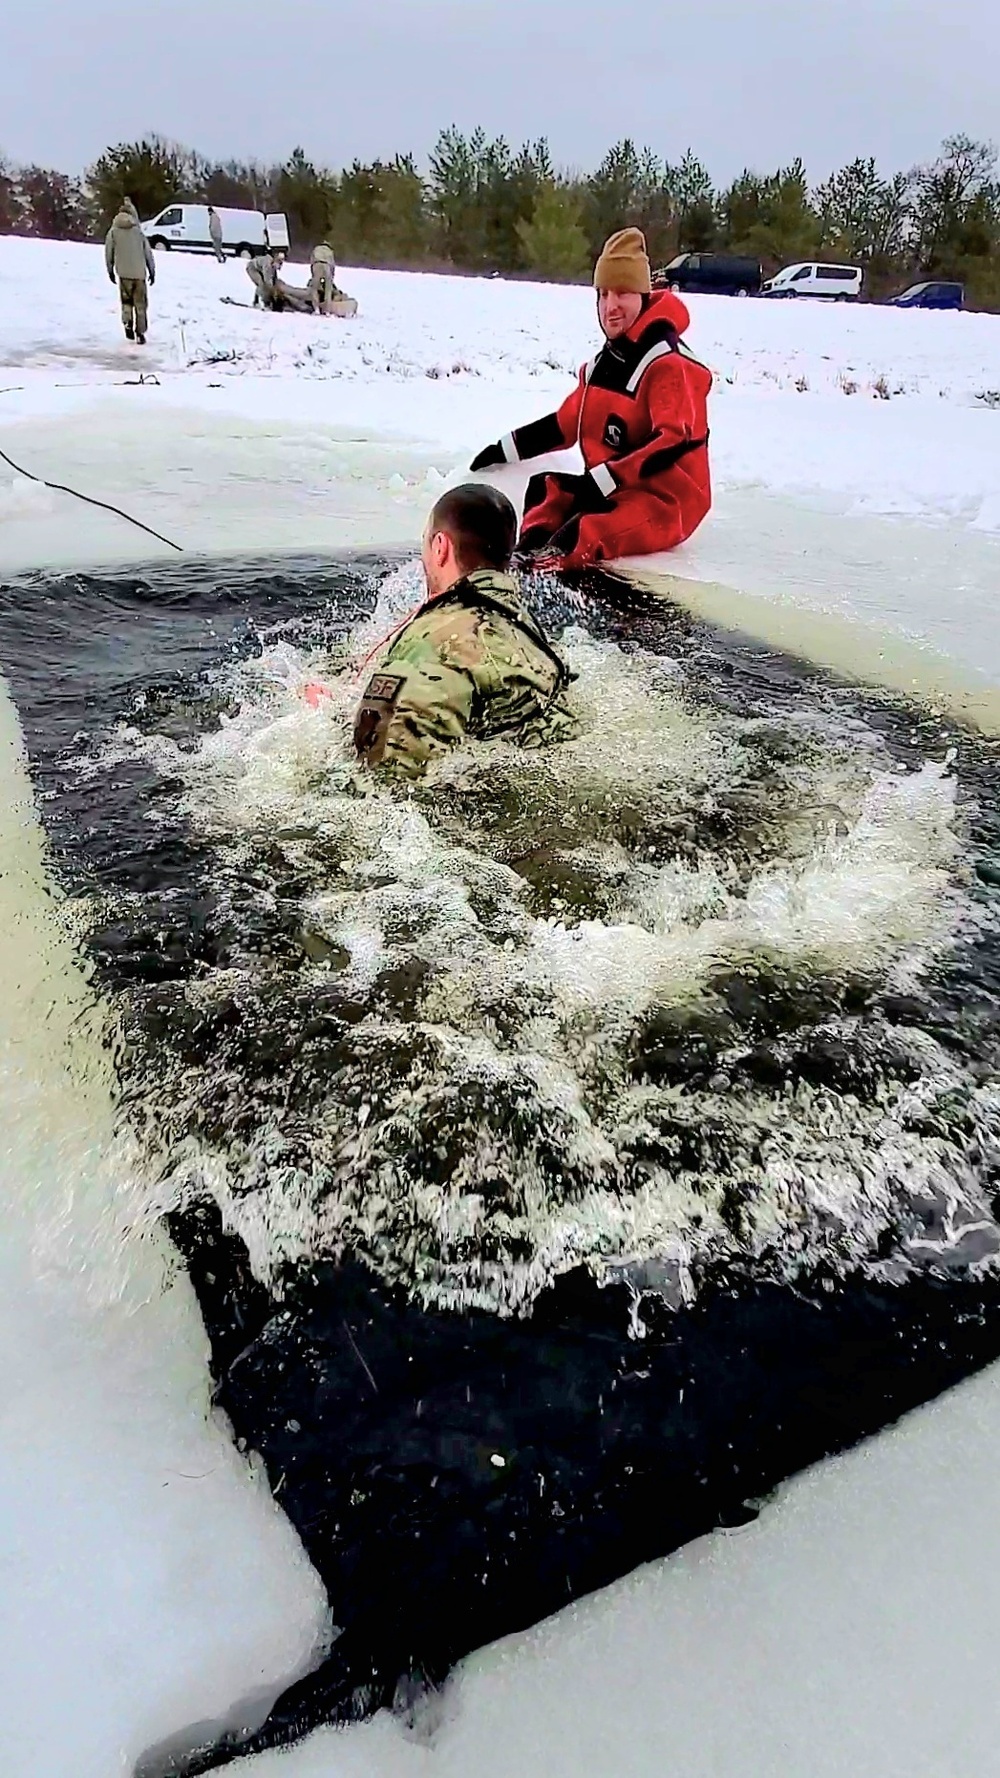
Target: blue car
<point x="933" y="295"/>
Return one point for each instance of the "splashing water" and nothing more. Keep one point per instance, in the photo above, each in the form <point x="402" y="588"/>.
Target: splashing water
<point x="624" y="1002"/>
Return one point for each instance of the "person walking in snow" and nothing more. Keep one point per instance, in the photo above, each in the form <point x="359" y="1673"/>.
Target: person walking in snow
<point x="215" y="234"/>
<point x="639" y="414"/>
<point x="322" y="278"/>
<point x="129" y="259"/>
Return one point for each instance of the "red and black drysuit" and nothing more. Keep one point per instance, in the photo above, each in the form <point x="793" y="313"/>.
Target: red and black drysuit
<point x="639" y="414"/>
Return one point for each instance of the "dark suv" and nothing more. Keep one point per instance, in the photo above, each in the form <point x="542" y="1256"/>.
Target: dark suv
<point x="936" y="294"/>
<point x="710" y="274"/>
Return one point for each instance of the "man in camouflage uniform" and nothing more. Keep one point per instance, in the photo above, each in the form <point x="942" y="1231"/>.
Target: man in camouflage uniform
<point x="472" y="662"/>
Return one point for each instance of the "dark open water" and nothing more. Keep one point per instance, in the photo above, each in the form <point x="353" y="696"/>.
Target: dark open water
<point x="567" y="1153"/>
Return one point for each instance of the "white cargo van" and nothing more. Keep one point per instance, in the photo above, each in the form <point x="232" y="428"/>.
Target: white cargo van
<point x="816" y="279"/>
<point x="184" y="227"/>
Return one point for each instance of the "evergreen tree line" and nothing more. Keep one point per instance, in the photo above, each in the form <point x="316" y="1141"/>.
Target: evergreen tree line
<point x="483" y="206"/>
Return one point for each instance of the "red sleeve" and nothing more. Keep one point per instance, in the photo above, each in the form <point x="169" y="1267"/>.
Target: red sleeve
<point x="555" y="433"/>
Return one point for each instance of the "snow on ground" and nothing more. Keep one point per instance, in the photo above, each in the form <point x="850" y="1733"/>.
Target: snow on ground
<point x="842" y="435"/>
<point x="849" y="1633"/>
<point x="148" y="1580"/>
<point x="878" y="405"/>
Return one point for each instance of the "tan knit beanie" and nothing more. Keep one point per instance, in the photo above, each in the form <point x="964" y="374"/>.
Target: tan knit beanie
<point x="624" y="263"/>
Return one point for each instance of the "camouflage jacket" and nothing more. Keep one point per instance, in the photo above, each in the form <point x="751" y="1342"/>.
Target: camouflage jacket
<point x="471" y="663"/>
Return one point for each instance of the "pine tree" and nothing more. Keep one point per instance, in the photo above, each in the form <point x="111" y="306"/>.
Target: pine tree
<point x="616" y="192"/>
<point x="308" y="198"/>
<point x="10" y="199"/>
<point x="955" y="205"/>
<point x="53" y="206"/>
<point x="771" y="216"/>
<point x="239" y="185"/>
<point x="554" y="242"/>
<point x="454" y="196"/>
<point x="692" y="198"/>
<point x="404" y="224"/>
<point x="152" y="173"/>
<point x="862" y="215"/>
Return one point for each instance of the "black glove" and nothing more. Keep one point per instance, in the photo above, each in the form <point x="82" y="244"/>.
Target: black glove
<point x="490" y="458"/>
<point x="588" y="496"/>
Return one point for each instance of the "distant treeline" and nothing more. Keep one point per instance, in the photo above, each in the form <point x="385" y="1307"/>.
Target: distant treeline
<point x="484" y="206"/>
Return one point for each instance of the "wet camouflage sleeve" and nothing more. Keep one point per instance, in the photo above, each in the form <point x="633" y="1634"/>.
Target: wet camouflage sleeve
<point x="452" y="672"/>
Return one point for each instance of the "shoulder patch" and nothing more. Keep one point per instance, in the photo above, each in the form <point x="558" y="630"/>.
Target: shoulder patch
<point x="375" y="715"/>
<point x="383" y="688"/>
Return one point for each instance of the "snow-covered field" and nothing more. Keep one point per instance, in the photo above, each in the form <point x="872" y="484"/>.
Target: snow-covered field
<point x="148" y="1580"/>
<point x="855" y="449"/>
<point x="886" y="407"/>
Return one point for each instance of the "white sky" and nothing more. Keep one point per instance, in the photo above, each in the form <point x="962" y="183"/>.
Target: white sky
<point x="742" y="83"/>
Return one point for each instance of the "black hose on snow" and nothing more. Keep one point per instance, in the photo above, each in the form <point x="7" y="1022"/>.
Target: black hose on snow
<point x="58" y="488"/>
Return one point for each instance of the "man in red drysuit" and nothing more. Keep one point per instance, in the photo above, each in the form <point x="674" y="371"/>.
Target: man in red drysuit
<point x="639" y="415"/>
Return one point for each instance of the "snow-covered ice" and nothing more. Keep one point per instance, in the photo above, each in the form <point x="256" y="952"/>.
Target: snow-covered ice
<point x="147" y="1575"/>
<point x="148" y="1579"/>
<point x="849" y="1633"/>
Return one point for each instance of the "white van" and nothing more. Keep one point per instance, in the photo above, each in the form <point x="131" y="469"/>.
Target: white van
<point x="814" y="279"/>
<point x="184" y="227"/>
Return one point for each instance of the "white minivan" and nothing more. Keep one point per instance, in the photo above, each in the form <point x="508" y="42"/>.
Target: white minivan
<point x="816" y="279"/>
<point x="184" y="227"/>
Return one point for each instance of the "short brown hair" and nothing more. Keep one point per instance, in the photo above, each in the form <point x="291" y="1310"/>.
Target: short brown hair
<point x="481" y="523"/>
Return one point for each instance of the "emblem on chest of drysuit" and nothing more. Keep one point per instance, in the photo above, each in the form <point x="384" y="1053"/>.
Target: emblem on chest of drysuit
<point x="615" y="433"/>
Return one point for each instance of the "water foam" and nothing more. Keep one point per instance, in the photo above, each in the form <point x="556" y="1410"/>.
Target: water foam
<point x="576" y="1005"/>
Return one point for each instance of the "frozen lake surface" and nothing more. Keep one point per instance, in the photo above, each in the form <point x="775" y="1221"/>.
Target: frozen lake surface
<point x="149" y="1580"/>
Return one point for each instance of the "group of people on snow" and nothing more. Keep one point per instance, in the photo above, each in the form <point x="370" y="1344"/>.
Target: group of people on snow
<point x="320" y="296"/>
<point x="131" y="264"/>
<point x="472" y="660"/>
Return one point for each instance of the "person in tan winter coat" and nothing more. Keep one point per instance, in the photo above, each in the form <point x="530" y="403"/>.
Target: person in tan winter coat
<point x="322" y="278"/>
<point x="262" y="272"/>
<point x="129" y="259"/>
<point x="215" y="234"/>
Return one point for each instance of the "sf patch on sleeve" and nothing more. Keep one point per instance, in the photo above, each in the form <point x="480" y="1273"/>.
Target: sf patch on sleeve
<point x="371" y="726"/>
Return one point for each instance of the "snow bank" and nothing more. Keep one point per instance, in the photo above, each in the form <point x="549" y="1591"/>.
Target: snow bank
<point x="849" y="1633"/>
<point x="881" y="407"/>
<point x="148" y="1576"/>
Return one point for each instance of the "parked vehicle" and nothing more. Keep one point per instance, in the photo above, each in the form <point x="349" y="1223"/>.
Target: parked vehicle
<point x="184" y="228"/>
<point x="937" y="293"/>
<point x="842" y="282"/>
<point x="710" y="274"/>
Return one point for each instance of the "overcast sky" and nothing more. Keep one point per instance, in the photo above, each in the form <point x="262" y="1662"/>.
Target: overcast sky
<point x="742" y="83"/>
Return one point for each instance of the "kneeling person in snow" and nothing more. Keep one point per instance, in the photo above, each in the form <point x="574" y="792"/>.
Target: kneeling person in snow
<point x="270" y="288"/>
<point x="129" y="259"/>
<point x="327" y="299"/>
<point x="639" y="414"/>
<point x="472" y="661"/>
<point x="322" y="278"/>
<point x="263" y="275"/>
